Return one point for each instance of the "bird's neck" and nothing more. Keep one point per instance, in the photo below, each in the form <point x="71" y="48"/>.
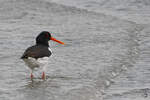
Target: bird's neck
<point x="44" y="44"/>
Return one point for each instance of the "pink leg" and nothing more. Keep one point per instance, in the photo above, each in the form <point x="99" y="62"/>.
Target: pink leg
<point x="31" y="76"/>
<point x="43" y="75"/>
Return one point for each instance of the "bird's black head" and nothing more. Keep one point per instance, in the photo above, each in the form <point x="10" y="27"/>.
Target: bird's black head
<point x="43" y="38"/>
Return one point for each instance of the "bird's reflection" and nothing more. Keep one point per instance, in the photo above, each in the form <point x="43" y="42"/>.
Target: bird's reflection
<point x="50" y="81"/>
<point x="34" y="83"/>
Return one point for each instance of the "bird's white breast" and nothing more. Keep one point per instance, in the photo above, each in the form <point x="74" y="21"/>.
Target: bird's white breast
<point x="50" y="50"/>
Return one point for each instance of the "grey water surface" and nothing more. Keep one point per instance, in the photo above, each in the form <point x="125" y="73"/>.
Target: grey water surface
<point x="106" y="56"/>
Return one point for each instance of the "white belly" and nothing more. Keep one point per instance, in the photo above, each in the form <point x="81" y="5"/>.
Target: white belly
<point x="39" y="63"/>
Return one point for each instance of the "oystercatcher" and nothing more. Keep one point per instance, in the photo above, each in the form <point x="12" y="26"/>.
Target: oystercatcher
<point x="37" y="56"/>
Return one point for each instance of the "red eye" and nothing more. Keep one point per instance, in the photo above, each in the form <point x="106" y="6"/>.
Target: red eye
<point x="47" y="35"/>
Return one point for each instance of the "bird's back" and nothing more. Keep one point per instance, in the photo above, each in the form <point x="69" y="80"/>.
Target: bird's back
<point x="36" y="51"/>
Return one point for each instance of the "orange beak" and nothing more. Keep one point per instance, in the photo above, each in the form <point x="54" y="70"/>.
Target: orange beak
<point x="57" y="40"/>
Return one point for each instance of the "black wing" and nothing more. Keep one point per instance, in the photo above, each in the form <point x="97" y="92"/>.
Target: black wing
<point x="37" y="51"/>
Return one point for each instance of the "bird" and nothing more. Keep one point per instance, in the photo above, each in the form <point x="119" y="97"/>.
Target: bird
<point x="37" y="56"/>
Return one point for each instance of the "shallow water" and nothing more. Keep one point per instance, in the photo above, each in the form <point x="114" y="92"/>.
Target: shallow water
<point x="106" y="56"/>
